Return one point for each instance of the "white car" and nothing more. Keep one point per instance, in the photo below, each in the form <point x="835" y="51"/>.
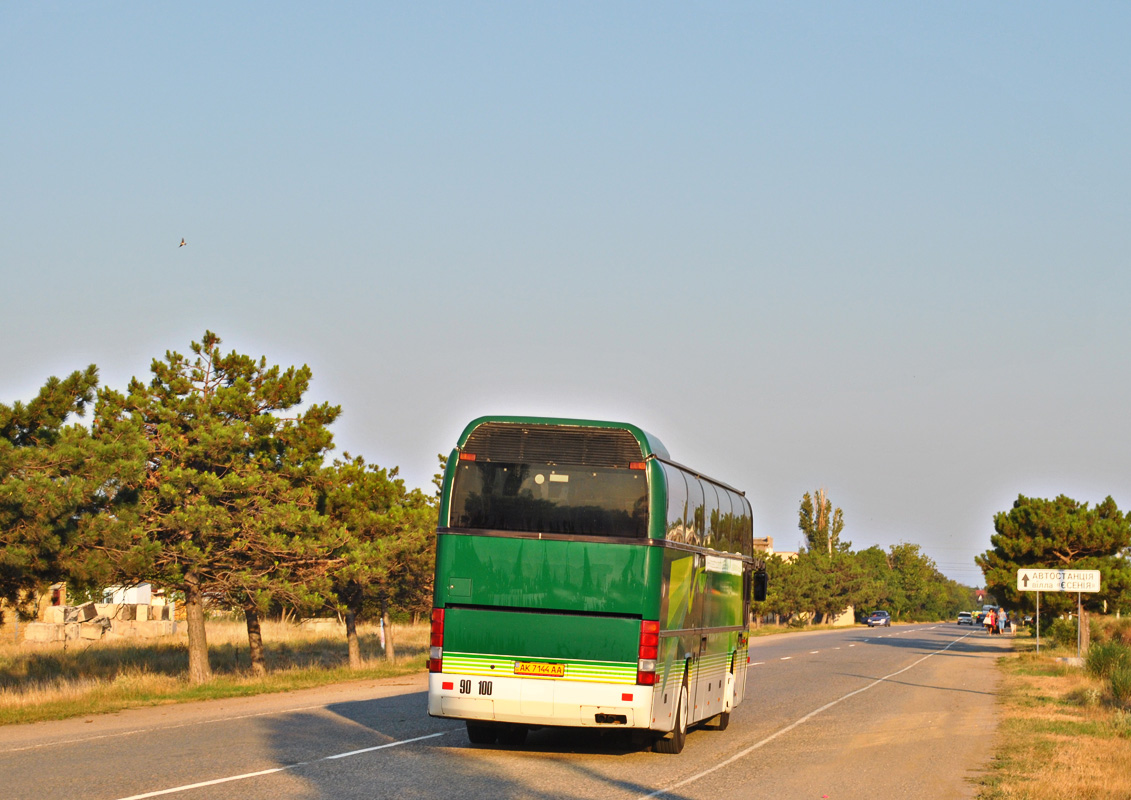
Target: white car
<point x="965" y="618"/>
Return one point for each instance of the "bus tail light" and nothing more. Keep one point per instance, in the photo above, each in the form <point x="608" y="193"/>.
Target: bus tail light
<point x="436" y="645"/>
<point x="648" y="653"/>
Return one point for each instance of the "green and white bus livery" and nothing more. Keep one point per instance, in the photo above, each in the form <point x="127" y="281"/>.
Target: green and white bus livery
<point x="585" y="579"/>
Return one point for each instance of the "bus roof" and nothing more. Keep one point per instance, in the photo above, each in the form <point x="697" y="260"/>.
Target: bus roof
<point x="649" y="444"/>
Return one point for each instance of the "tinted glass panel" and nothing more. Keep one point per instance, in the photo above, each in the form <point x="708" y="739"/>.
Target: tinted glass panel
<point x="535" y="498"/>
<point x="724" y="538"/>
<point x="711" y="514"/>
<point x="677" y="504"/>
<point x="695" y="531"/>
<point x="516" y="443"/>
<point x="746" y="529"/>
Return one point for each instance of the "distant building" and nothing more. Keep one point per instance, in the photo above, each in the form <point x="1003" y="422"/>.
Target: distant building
<point x="765" y="544"/>
<point x="142" y="594"/>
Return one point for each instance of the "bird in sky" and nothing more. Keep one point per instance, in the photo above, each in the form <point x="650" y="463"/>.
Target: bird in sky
<point x="182" y="244"/>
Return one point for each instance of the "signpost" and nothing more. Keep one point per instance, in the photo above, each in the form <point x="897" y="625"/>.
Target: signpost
<point x="1037" y="579"/>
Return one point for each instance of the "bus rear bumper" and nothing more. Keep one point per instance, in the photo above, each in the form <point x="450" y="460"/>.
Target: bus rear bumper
<point x="540" y="701"/>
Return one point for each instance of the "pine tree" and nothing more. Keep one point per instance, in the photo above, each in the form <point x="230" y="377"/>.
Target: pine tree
<point x="48" y="478"/>
<point x="389" y="544"/>
<point x="1060" y="534"/>
<point x="225" y="507"/>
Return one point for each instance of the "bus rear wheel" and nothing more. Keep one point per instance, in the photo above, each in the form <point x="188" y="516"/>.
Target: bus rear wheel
<point x="721" y="721"/>
<point x="673" y="742"/>
<point x="512" y="735"/>
<point x="481" y="732"/>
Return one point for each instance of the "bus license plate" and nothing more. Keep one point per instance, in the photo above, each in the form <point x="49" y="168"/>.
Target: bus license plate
<point x="541" y="670"/>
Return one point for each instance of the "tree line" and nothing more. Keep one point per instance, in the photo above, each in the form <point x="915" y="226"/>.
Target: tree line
<point x="827" y="576"/>
<point x="211" y="480"/>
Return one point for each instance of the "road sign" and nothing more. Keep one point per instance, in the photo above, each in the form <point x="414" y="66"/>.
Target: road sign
<point x="1058" y="580"/>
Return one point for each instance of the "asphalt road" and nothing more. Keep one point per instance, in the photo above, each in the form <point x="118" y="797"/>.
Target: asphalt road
<point x="897" y="712"/>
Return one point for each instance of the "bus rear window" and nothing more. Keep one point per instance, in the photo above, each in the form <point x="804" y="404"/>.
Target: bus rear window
<point x="536" y="498"/>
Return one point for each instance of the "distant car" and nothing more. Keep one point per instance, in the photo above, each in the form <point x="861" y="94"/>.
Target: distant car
<point x="965" y="618"/>
<point x="879" y="618"/>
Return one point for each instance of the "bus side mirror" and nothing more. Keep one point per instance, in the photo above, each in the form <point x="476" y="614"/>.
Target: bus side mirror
<point x="761" y="584"/>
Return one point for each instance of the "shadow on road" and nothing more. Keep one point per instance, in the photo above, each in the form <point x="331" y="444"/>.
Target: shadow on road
<point x="443" y="766"/>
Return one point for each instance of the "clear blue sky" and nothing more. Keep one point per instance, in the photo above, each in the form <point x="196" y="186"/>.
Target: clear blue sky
<point x="876" y="248"/>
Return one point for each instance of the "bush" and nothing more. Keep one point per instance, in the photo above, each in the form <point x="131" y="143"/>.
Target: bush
<point x="1061" y="633"/>
<point x="1120" y="682"/>
<point x="1105" y="657"/>
<point x="1120" y="631"/>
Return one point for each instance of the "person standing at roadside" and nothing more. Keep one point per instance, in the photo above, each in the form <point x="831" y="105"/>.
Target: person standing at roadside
<point x="991" y="621"/>
<point x="1002" y="620"/>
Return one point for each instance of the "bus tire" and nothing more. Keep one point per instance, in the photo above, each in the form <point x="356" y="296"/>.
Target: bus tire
<point x="481" y="732"/>
<point x="674" y="741"/>
<point x="721" y="721"/>
<point x="512" y="735"/>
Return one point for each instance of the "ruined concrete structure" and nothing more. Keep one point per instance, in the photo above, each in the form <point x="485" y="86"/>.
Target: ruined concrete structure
<point x="92" y="621"/>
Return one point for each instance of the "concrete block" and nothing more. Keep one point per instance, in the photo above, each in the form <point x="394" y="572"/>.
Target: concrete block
<point x="141" y="613"/>
<point x="149" y="629"/>
<point x="71" y="631"/>
<point x="70" y="614"/>
<point x="90" y="630"/>
<point x="87" y="612"/>
<point x="43" y="632"/>
<point x="54" y="615"/>
<point x="108" y="609"/>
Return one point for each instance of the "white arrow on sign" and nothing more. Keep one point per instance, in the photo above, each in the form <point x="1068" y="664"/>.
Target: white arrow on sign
<point x="1058" y="580"/>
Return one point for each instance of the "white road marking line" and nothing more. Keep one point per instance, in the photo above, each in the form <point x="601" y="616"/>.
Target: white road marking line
<point x="247" y="775"/>
<point x="814" y="652"/>
<point x="794" y="724"/>
<point x="758" y="663"/>
<point x="786" y="658"/>
<point x="380" y="747"/>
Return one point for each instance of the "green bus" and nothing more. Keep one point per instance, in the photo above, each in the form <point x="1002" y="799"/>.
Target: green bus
<point x="585" y="579"/>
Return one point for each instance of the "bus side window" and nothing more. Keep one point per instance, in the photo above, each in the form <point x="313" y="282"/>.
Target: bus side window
<point x="726" y="522"/>
<point x="738" y="524"/>
<point x="746" y="530"/>
<point x="677" y="505"/>
<point x="696" y="531"/>
<point x="712" y="512"/>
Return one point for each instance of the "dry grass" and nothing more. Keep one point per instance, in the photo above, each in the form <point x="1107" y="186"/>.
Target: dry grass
<point x="40" y="682"/>
<point x="1063" y="735"/>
